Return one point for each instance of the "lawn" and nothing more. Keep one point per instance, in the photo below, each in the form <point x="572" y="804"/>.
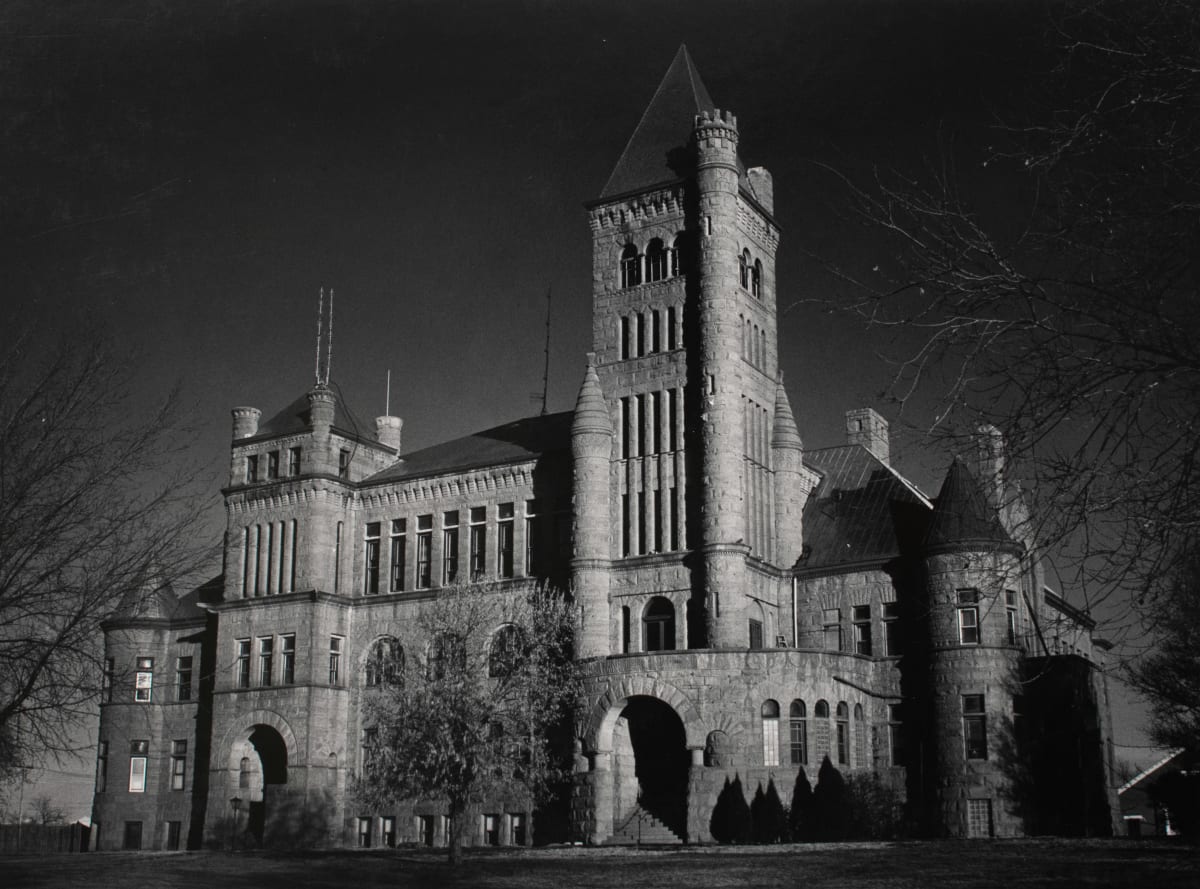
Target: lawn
<point x="1011" y="864"/>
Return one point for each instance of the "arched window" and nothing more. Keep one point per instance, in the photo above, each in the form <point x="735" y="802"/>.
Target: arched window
<point x="385" y="663"/>
<point x="860" y="737"/>
<point x="744" y="269"/>
<point x="505" y="651"/>
<point x="798" y="732"/>
<point x="244" y="773"/>
<point x="631" y="266"/>
<point x="843" y="734"/>
<point x="677" y="247"/>
<point x="658" y="625"/>
<point x="656" y="260"/>
<point x="770" y="726"/>
<point x="756" y="278"/>
<point x="446" y="656"/>
<point x="821" y="727"/>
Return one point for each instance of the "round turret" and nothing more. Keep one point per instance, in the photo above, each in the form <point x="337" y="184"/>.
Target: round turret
<point x="591" y="447"/>
<point x="787" y="457"/>
<point x="321" y="406"/>
<point x="245" y="422"/>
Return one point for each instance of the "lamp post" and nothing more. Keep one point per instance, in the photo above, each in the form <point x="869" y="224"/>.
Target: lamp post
<point x="237" y="806"/>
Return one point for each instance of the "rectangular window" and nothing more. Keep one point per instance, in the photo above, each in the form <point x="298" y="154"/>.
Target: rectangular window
<point x="449" y="547"/>
<point x="891" y="629"/>
<point x="756" y="634"/>
<point x="968" y="617"/>
<point x="424" y="551"/>
<point x="623" y="432"/>
<point x="138" y="755"/>
<point x="624" y="338"/>
<point x="641" y="423"/>
<point x="504" y="539"/>
<point x="174" y="829"/>
<point x="344" y="463"/>
<point x="133" y="836"/>
<point x="272" y="464"/>
<point x="831" y="619"/>
<point x="389" y="831"/>
<point x="242" y="669"/>
<point x="655" y="330"/>
<point x="399" y="540"/>
<point x="626" y="535"/>
<point x="641" y="334"/>
<point x="975" y="726"/>
<point x="625" y="629"/>
<point x="106" y="680"/>
<point x="656" y="422"/>
<point x="770" y="741"/>
<point x="517" y="823"/>
<point x="895" y="734"/>
<point x="672" y="421"/>
<point x="293" y="461"/>
<point x="979" y="818"/>
<point x="287" y="652"/>
<point x="478" y="542"/>
<point x="335" y="660"/>
<point x="266" y="658"/>
<point x="183" y="678"/>
<point x="671" y="344"/>
<point x="641" y="511"/>
<point x="102" y="767"/>
<point x="862" y="629"/>
<point x="371" y="559"/>
<point x="252" y="468"/>
<point x="491" y="830"/>
<point x="364" y="833"/>
<point x="676" y="509"/>
<point x="1010" y="602"/>
<point x="843" y="742"/>
<point x="178" y="764"/>
<point x="798" y="740"/>
<point x="370" y="744"/>
<point x="143" y="682"/>
<point x="425" y="827"/>
<point x="534" y="543"/>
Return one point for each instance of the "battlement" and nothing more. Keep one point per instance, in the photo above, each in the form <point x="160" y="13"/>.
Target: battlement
<point x="716" y="118"/>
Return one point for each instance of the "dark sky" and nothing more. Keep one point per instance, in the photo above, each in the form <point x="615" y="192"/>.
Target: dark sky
<point x="186" y="176"/>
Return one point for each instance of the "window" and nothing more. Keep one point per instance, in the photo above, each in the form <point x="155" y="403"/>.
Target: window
<point x="106" y="680"/>
<point x="658" y="625"/>
<point x="896" y="734"/>
<point x="364" y="833"/>
<point x="861" y="616"/>
<point x="424" y="551"/>
<point x="624" y="338"/>
<point x="385" y="663"/>
<point x="293" y="461"/>
<point x="832" y="621"/>
<point x="756" y="633"/>
<point x="505" y="651"/>
<point x="1010" y="602"/>
<point x="623" y="432"/>
<point x="891" y="629"/>
<point x="138" y="753"/>
<point x="756" y="274"/>
<point x="672" y="343"/>
<point x="860" y="736"/>
<point x="672" y="421"/>
<point x="641" y="334"/>
<point x="242" y="668"/>
<point x="504" y="542"/>
<point x="398" y="540"/>
<point x="388" y="825"/>
<point x="183" y="678"/>
<point x="252" y="468"/>
<point x="975" y="726"/>
<point x="744" y="269"/>
<point x="656" y="260"/>
<point x="625" y="629"/>
<point x="425" y="828"/>
<point x="335" y="660"/>
<point x="143" y="682"/>
<point x="631" y="266"/>
<point x="244" y="774"/>
<point x="371" y="559"/>
<point x="266" y="658"/>
<point x="133" y="836"/>
<point x="770" y="730"/>
<point x="979" y="817"/>
<point x="655" y="330"/>
<point x="174" y="829"/>
<point x="968" y="617"/>
<point x="337" y="558"/>
<point x="102" y="767"/>
<point x="843" y="734"/>
<point x="517" y="826"/>
<point x="273" y="464"/>
<point x="287" y="652"/>
<point x="798" y="733"/>
<point x="446" y="654"/>
<point x="178" y="764"/>
<point x="478" y="542"/>
<point x="491" y="830"/>
<point x="536" y="538"/>
<point x="344" y="463"/>
<point x="370" y="747"/>
<point x="449" y="547"/>
<point x="821" y="714"/>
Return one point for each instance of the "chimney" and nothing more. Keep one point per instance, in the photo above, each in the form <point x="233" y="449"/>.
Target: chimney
<point x="764" y="187"/>
<point x="387" y="430"/>
<point x="245" y="422"/>
<point x="865" y="427"/>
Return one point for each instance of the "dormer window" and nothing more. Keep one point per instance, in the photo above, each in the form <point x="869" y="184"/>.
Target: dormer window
<point x="631" y="266"/>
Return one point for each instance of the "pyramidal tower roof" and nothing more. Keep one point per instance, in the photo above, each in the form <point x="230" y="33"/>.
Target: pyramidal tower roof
<point x="653" y="152"/>
<point x="962" y="514"/>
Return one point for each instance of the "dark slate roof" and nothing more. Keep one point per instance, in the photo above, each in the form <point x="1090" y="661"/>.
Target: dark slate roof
<point x="861" y="511"/>
<point x="162" y="603"/>
<point x="962" y="514"/>
<point x="294" y="418"/>
<point x="515" y="442"/>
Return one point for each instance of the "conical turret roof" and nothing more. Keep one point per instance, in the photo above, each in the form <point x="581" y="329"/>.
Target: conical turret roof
<point x="962" y="515"/>
<point x="591" y="410"/>
<point x="786" y="435"/>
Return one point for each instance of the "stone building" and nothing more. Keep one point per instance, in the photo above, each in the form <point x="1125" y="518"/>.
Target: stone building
<point x="750" y="606"/>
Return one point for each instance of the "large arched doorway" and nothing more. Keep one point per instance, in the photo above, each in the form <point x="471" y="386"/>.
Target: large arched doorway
<point x="650" y="765"/>
<point x="261" y="768"/>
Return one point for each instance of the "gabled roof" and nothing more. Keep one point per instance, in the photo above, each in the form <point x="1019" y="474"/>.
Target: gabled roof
<point x="516" y="442"/>
<point x="657" y="150"/>
<point x="294" y="418"/>
<point x="861" y="511"/>
<point x="962" y="514"/>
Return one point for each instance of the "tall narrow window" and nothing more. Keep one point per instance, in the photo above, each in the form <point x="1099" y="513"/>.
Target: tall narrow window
<point x="641" y="423"/>
<point x="832" y="623"/>
<point x="252" y="468"/>
<point x="843" y="734"/>
<point x="504" y="651"/>
<point x="672" y="420"/>
<point x="449" y="547"/>
<point x="478" y="542"/>
<point x="655" y="330"/>
<point x="656" y="422"/>
<point x="335" y="660"/>
<point x="399" y="541"/>
<point x="891" y="629"/>
<point x="798" y="733"/>
<point x="896" y="734"/>
<point x="364" y="832"/>
<point x="242" y="664"/>
<point x="102" y="767"/>
<point x="631" y="272"/>
<point x="756" y="274"/>
<point x="287" y="654"/>
<point x="266" y="659"/>
<point x="138" y="754"/>
<point x="624" y="430"/>
<point x="658" y="625"/>
<point x="1010" y="603"/>
<point x="504" y="539"/>
<point x="183" y="678"/>
<point x="625" y="628"/>
<point x="535" y="543"/>
<point x="641" y="335"/>
<point x="672" y="339"/>
<point x="676" y="249"/>
<point x="106" y="680"/>
<point x="273" y="464"/>
<point x="744" y="269"/>
<point x="371" y="559"/>
<point x="385" y="665"/>
<point x="821" y="725"/>
<point x="424" y="551"/>
<point x="860" y="736"/>
<point x="968" y="617"/>
<point x="143" y="680"/>
<point x="756" y="633"/>
<point x="344" y="463"/>
<point x="626" y="536"/>
<point x="624" y="337"/>
<point x="974" y="726"/>
<point x="178" y="764"/>
<point x="770" y="730"/>
<point x="862" y="629"/>
<point x="294" y="461"/>
<point x="656" y="260"/>
<point x="388" y="830"/>
<point x="676" y="509"/>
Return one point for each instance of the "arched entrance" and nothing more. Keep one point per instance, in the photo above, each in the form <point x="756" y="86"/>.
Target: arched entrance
<point x="650" y="764"/>
<point x="261" y="768"/>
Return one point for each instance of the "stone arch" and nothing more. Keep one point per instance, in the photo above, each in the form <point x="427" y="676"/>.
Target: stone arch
<point x="245" y="725"/>
<point x="596" y="728"/>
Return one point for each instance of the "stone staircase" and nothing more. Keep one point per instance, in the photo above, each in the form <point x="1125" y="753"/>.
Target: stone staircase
<point x="642" y="828"/>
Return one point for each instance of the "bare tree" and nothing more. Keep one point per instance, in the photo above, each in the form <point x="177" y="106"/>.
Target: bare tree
<point x="45" y="811"/>
<point x="1074" y="329"/>
<point x="470" y="713"/>
<point x="94" y="515"/>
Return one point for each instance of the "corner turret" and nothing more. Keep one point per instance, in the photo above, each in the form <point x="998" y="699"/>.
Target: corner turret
<point x="591" y="447"/>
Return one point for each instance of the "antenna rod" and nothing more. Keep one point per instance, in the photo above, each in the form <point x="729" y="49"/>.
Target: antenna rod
<point x="387" y="399"/>
<point x="546" y="370"/>
<point x="320" y="316"/>
<point x="329" y="346"/>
